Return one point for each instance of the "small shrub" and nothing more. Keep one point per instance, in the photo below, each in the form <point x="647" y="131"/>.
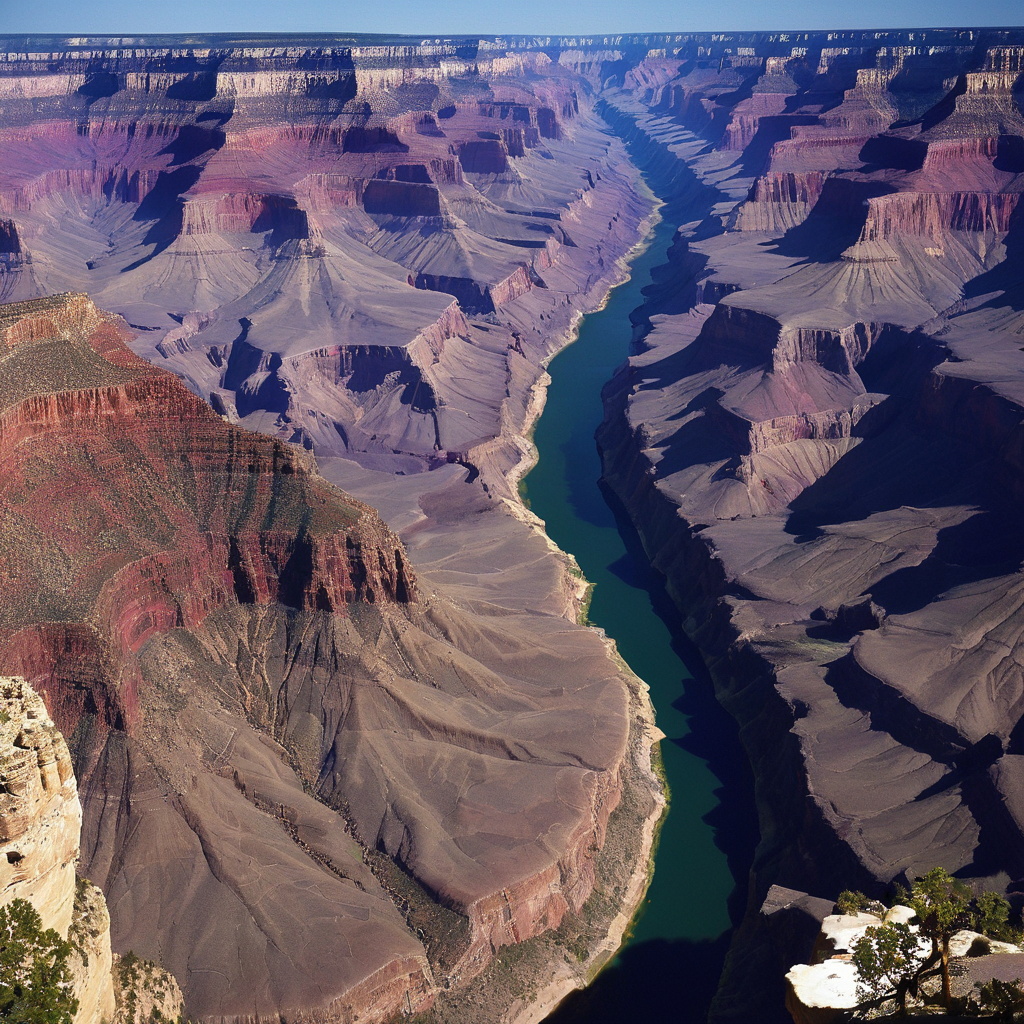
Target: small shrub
<point x="991" y="915"/>
<point x="851" y="902"/>
<point x="999" y="1000"/>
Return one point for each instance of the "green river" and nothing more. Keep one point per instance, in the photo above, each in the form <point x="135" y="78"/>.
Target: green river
<point x="672" y="960"/>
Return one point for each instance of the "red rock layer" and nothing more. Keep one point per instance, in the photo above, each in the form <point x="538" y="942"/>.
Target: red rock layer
<point x="204" y="514"/>
<point x="936" y="213"/>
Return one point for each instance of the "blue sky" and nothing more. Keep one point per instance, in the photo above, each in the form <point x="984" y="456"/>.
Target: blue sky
<point x="486" y="17"/>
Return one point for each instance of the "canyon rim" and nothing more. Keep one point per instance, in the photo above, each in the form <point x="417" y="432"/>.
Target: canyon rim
<point x="277" y="319"/>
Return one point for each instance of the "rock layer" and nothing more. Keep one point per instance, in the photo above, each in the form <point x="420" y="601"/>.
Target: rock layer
<point x="817" y="436"/>
<point x="217" y="628"/>
<point x="40" y="825"/>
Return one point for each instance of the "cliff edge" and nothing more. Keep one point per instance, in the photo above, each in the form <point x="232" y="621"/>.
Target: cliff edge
<point x="40" y="829"/>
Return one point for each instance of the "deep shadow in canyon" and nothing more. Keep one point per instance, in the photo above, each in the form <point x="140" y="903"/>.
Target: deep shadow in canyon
<point x="713" y="735"/>
<point x="658" y="980"/>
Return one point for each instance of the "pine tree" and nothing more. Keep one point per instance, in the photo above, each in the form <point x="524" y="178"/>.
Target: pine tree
<point x="942" y="905"/>
<point x="35" y="982"/>
<point x="888" y="960"/>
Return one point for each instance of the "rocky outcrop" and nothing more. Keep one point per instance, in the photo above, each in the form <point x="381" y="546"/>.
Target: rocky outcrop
<point x="40" y="815"/>
<point x="401" y="199"/>
<point x="143" y="991"/>
<point x="810" y="497"/>
<point x="826" y="988"/>
<point x="484" y="156"/>
<point x="40" y="824"/>
<point x="937" y="214"/>
<point x="92" y="964"/>
<point x="67" y="317"/>
<point x="779" y="201"/>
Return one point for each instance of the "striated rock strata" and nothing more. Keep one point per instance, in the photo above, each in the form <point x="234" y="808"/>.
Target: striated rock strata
<point x="819" y="437"/>
<point x="311" y="784"/>
<point x="328" y="243"/>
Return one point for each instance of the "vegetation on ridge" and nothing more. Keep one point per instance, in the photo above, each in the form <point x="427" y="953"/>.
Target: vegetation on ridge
<point x="35" y="979"/>
<point x="894" y="963"/>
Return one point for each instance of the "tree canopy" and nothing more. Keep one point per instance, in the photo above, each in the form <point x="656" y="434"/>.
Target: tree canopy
<point x="35" y="981"/>
<point x="888" y="959"/>
<point x="943" y="906"/>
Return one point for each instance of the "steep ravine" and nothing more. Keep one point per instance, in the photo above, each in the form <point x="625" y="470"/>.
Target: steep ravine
<point x="818" y="438"/>
<point x="679" y="939"/>
<point x="794" y="847"/>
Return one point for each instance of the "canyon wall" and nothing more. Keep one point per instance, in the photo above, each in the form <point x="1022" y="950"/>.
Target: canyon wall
<point x="818" y="435"/>
<point x="327" y="726"/>
<point x="40" y="824"/>
<point x="255" y="676"/>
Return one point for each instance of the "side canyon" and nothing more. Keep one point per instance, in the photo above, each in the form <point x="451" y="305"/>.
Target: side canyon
<point x="277" y="320"/>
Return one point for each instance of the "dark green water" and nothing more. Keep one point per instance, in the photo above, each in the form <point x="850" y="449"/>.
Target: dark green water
<point x="684" y="924"/>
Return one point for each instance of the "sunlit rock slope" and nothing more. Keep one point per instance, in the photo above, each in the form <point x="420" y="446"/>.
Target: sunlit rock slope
<point x="310" y="784"/>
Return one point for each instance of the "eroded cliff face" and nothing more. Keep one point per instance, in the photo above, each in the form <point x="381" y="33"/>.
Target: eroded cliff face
<point x="818" y="436"/>
<point x="267" y="706"/>
<point x="281" y="203"/>
<point x="40" y="823"/>
<point x="42" y="817"/>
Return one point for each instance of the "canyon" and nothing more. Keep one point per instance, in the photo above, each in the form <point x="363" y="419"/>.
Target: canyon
<point x="337" y="749"/>
<point x="818" y="436"/>
<point x="310" y="783"/>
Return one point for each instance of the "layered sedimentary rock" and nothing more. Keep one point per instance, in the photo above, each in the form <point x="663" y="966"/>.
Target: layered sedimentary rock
<point x="819" y="438"/>
<point x="324" y="218"/>
<point x="369" y="252"/>
<point x="40" y="824"/>
<point x="263" y="699"/>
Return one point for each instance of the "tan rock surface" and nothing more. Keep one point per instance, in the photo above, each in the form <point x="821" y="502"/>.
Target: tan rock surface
<point x="40" y="814"/>
<point x="143" y="989"/>
<point x="40" y="822"/>
<point x="92" y="963"/>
